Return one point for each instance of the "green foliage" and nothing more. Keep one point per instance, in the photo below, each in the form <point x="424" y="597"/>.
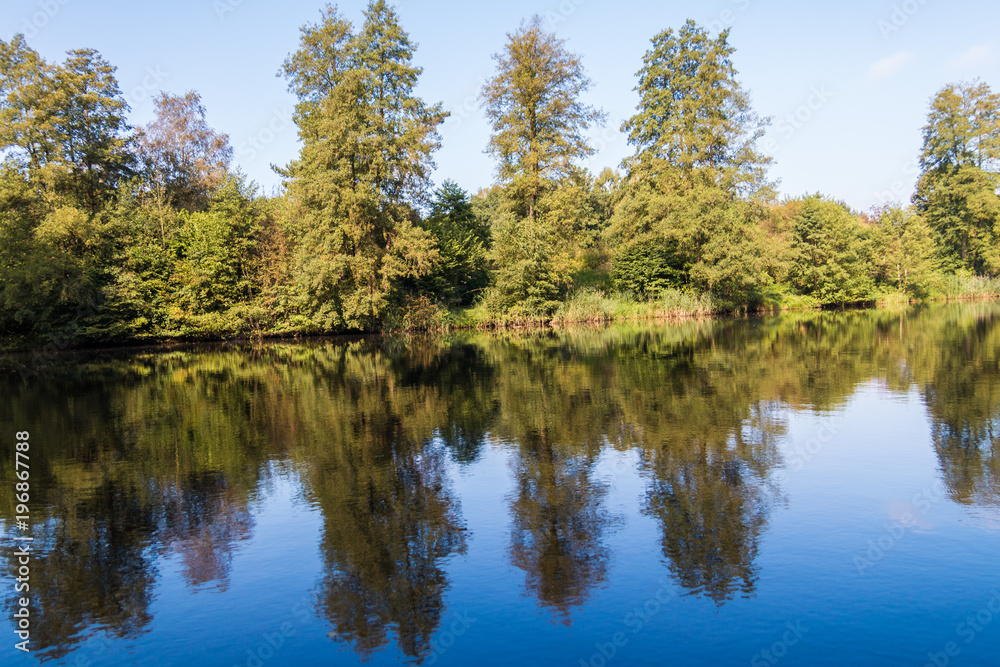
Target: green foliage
<point x="64" y="140"/>
<point x="902" y="251"/>
<point x="957" y="191"/>
<point x="544" y="217"/>
<point x="829" y="253"/>
<point x="677" y="229"/>
<point x="106" y="234"/>
<point x="694" y="115"/>
<point x="52" y="260"/>
<point x="736" y="263"/>
<point x="691" y="208"/>
<point x="524" y="280"/>
<point x="962" y="207"/>
<point x="462" y="239"/>
<point x="364" y="164"/>
<point x="533" y="104"/>
<point x="646" y="266"/>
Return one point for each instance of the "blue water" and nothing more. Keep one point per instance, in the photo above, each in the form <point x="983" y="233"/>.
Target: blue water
<point x="805" y="490"/>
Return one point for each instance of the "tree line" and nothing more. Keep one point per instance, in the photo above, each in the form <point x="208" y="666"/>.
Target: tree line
<point x="110" y="232"/>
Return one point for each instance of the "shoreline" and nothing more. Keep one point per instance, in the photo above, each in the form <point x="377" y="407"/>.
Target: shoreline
<point x="165" y="344"/>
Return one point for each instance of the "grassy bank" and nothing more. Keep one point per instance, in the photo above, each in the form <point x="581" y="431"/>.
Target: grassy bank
<point x="594" y="306"/>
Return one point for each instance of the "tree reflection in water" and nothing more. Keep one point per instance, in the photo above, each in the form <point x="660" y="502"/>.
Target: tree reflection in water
<point x="161" y="455"/>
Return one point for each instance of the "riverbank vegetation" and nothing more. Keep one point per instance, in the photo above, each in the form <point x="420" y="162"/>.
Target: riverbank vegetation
<point x="115" y="233"/>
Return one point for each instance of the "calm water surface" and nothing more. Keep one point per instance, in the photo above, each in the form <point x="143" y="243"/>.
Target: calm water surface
<point x="814" y="489"/>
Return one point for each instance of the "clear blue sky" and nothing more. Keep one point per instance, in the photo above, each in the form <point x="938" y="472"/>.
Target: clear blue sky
<point x="867" y="68"/>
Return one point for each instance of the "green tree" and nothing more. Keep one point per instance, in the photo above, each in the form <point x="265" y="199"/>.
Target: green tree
<point x="215" y="276"/>
<point x="690" y="209"/>
<point x="539" y="124"/>
<point x="829" y="253"/>
<point x="26" y="90"/>
<point x="902" y="250"/>
<point x="957" y="190"/>
<point x="737" y="261"/>
<point x="646" y="266"/>
<point x="65" y="145"/>
<point x="525" y="281"/>
<point x="364" y="166"/>
<point x="462" y="239"/>
<point x="91" y="129"/>
<point x="538" y="119"/>
<point x="694" y="115"/>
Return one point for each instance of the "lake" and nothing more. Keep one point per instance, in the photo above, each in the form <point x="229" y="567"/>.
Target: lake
<point x="804" y="489"/>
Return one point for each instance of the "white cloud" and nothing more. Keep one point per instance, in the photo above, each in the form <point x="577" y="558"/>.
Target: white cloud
<point x="980" y="54"/>
<point x="886" y="67"/>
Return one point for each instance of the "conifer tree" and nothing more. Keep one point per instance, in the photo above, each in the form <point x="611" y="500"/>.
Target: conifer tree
<point x="364" y="166"/>
<point x="533" y="104"/>
<point x="694" y="115"/>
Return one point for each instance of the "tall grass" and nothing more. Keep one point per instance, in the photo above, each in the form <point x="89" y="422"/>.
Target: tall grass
<point x="595" y="306"/>
<point x="590" y="305"/>
<point x="969" y="287"/>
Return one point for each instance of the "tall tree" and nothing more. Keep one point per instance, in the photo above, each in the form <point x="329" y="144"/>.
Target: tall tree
<point x="694" y="115"/>
<point x="690" y="208"/>
<point x="181" y="154"/>
<point x="538" y="119"/>
<point x="957" y="190"/>
<point x="65" y="144"/>
<point x="91" y="128"/>
<point x="64" y="125"/>
<point x="26" y="90"/>
<point x="364" y="166"/>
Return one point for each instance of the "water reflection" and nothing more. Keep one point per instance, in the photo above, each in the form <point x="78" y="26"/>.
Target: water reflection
<point x="962" y="393"/>
<point x="203" y="519"/>
<point x="559" y="524"/>
<point x="390" y="523"/>
<point x="95" y="569"/>
<point x="153" y="456"/>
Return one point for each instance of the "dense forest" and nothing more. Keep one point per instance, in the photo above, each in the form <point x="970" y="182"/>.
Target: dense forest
<point x="111" y="233"/>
